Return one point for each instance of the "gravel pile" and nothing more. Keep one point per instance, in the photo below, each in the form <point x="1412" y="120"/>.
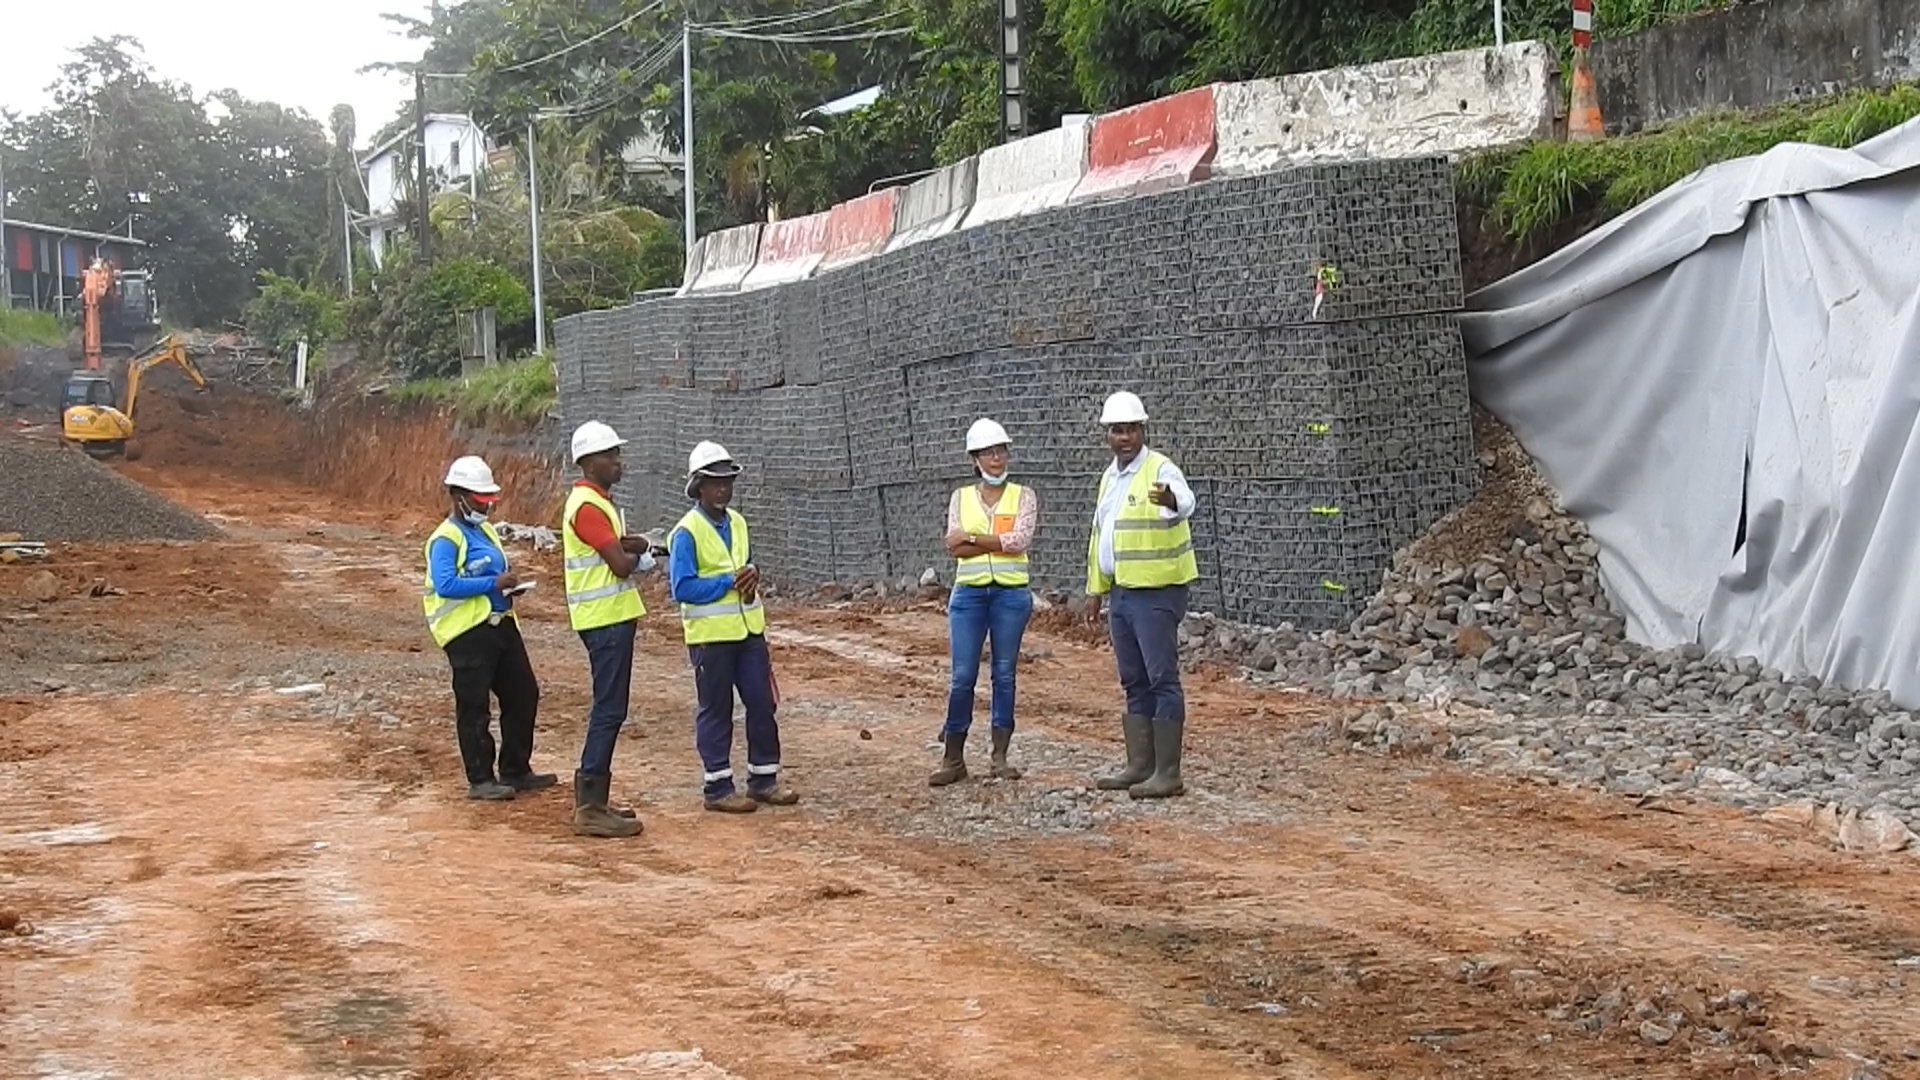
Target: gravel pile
<point x="50" y="492"/>
<point x="1496" y="621"/>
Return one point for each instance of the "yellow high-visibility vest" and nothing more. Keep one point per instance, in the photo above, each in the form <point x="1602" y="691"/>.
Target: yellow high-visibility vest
<point x="448" y="619"/>
<point x="993" y="568"/>
<point x="1149" y="552"/>
<point x="596" y="597"/>
<point x="728" y="618"/>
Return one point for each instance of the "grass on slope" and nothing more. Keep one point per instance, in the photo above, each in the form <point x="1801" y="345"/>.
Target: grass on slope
<point x="1531" y="190"/>
<point x="19" y="327"/>
<point x="513" y="391"/>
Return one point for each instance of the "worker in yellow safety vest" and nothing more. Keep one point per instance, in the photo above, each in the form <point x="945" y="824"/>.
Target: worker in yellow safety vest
<point x="603" y="603"/>
<point x="468" y="597"/>
<point x="990" y="524"/>
<point x="1140" y="553"/>
<point x="711" y="572"/>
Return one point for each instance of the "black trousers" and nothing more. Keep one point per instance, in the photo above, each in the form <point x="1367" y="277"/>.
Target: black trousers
<point x="493" y="660"/>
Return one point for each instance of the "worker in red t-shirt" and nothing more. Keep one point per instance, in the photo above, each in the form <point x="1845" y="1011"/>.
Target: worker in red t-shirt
<point x="603" y="604"/>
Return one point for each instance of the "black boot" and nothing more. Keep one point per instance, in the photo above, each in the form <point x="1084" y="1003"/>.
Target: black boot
<point x="490" y="791"/>
<point x="953" y="761"/>
<point x="1002" y="738"/>
<point x="590" y="814"/>
<point x="1165" y="781"/>
<point x="533" y="781"/>
<point x="1139" y="733"/>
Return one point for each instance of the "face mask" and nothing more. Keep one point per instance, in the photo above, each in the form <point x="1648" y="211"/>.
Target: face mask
<point x="473" y="515"/>
<point x="992" y="480"/>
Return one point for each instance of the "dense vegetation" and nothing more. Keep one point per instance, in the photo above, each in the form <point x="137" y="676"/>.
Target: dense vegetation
<point x="241" y="198"/>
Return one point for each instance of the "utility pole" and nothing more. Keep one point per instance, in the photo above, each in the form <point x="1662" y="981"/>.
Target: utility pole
<point x="686" y="122"/>
<point x="346" y="234"/>
<point x="1499" y="26"/>
<point x="420" y="193"/>
<point x="1013" y="83"/>
<point x="533" y="214"/>
<point x="6" y="284"/>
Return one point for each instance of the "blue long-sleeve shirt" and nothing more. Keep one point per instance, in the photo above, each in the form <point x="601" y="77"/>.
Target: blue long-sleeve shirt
<point x="485" y="563"/>
<point x="683" y="566"/>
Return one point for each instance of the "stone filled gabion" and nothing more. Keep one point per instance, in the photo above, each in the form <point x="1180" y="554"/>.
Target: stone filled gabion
<point x="1498" y="620"/>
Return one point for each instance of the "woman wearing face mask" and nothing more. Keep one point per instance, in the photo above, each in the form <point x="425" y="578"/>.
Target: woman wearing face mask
<point x="469" y="607"/>
<point x="990" y="524"/>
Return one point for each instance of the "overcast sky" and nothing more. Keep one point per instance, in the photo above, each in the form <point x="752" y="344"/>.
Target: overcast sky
<point x="301" y="55"/>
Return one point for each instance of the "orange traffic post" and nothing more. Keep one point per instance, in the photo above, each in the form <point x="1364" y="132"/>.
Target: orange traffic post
<point x="1583" y="111"/>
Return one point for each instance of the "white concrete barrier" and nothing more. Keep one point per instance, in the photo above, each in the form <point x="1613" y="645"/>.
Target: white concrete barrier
<point x="789" y="251"/>
<point x="935" y="204"/>
<point x="1447" y="103"/>
<point x="722" y="260"/>
<point x="1032" y="174"/>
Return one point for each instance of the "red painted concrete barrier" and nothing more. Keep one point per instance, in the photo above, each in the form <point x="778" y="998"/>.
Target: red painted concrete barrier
<point x="789" y="251"/>
<point x="1155" y="146"/>
<point x="859" y="228"/>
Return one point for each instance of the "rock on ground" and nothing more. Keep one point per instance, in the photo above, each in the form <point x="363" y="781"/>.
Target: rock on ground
<point x="1492" y="640"/>
<point x="52" y="492"/>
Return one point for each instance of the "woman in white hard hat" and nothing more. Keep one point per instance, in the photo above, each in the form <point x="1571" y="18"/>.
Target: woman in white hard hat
<point x="990" y="525"/>
<point x="469" y="592"/>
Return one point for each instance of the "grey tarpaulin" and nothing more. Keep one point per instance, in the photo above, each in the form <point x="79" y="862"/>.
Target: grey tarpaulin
<point x="1748" y="338"/>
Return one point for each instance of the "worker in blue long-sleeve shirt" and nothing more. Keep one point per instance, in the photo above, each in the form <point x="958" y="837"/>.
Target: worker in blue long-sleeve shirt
<point x="711" y="573"/>
<point x="468" y="600"/>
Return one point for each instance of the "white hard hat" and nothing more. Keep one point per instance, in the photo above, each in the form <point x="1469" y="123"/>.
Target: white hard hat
<point x="984" y="434"/>
<point x="709" y="459"/>
<point x="471" y="474"/>
<point x="1123" y="407"/>
<point x="593" y="437"/>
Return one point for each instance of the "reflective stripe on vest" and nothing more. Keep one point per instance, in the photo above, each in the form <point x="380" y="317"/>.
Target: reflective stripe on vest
<point x="446" y="618"/>
<point x="728" y="618"/>
<point x="1149" y="552"/>
<point x="595" y="597"/>
<point x="993" y="568"/>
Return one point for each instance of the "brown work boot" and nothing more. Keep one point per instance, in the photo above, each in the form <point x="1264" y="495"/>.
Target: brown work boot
<point x="735" y="803"/>
<point x="1139" y="733"/>
<point x="953" y="761"/>
<point x="777" y="795"/>
<point x="1000" y="770"/>
<point x="590" y="814"/>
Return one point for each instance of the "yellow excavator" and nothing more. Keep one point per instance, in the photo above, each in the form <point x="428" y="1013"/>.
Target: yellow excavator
<point x="88" y="417"/>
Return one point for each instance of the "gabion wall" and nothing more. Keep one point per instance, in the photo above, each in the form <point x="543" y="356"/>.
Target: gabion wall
<point x="1293" y="335"/>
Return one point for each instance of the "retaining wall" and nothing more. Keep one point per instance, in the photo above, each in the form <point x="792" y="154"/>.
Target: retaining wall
<point x="1292" y="333"/>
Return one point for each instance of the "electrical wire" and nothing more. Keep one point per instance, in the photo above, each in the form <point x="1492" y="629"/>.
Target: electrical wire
<point x="763" y="22"/>
<point x="796" y="39"/>
<point x="590" y="39"/>
<point x="653" y="64"/>
<point x="839" y="29"/>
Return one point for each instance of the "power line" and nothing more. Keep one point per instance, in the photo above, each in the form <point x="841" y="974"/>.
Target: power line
<point x="805" y="39"/>
<point x="590" y="39"/>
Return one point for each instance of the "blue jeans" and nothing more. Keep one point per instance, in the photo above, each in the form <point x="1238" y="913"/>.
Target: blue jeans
<point x="719" y="669"/>
<point x="1145" y="627"/>
<point x="610" y="655"/>
<point x="973" y="613"/>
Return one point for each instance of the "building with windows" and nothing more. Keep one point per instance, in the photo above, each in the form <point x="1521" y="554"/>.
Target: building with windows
<point x="456" y="153"/>
<point x="43" y="263"/>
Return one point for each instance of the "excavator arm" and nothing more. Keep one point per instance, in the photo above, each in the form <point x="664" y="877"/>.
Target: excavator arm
<point x="171" y="351"/>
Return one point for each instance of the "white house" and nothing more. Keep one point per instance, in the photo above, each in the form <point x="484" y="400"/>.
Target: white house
<point x="456" y="152"/>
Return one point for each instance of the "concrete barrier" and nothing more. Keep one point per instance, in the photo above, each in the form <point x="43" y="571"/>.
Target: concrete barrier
<point x="789" y="251"/>
<point x="1447" y="103"/>
<point x="935" y="204"/>
<point x="1154" y="146"/>
<point x="1031" y="174"/>
<point x="722" y="260"/>
<point x="859" y="228"/>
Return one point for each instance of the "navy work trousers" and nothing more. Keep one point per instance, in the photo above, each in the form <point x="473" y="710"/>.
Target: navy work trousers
<point x="720" y="669"/>
<point x="610" y="656"/>
<point x="1145" y="627"/>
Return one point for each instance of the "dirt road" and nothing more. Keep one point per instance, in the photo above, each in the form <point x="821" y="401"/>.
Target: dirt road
<point x="201" y="875"/>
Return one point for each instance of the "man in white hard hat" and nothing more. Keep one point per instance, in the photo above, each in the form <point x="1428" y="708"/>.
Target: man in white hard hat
<point x="468" y="598"/>
<point x="990" y="525"/>
<point x="1140" y="555"/>
<point x="710" y="570"/>
<point x="603" y="604"/>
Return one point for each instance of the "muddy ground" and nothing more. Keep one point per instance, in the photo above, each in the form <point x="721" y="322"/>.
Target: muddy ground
<point x="201" y="875"/>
